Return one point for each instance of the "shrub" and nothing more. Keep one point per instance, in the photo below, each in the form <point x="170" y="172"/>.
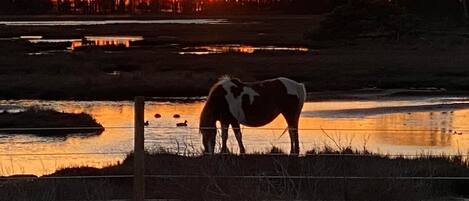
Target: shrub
<point x="366" y="18"/>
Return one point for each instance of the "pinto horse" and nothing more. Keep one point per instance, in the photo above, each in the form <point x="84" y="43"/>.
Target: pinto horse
<point x="253" y="104"/>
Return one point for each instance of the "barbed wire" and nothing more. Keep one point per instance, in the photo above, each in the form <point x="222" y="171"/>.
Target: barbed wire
<point x="63" y="128"/>
<point x="64" y="154"/>
<point x="242" y="177"/>
<point x="357" y="155"/>
<point x="219" y="128"/>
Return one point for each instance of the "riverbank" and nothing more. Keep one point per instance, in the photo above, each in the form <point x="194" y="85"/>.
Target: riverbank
<point x="276" y="176"/>
<point x="155" y="66"/>
<point x="33" y="120"/>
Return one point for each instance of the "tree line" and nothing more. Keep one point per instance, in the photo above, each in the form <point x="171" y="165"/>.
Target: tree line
<point x="160" y="6"/>
<point x="435" y="8"/>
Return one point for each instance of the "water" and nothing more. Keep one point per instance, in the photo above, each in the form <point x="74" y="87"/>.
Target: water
<point x="126" y="42"/>
<point x="89" y="41"/>
<point x="414" y="126"/>
<point x="105" y="41"/>
<point x="237" y="48"/>
<point x="106" y="22"/>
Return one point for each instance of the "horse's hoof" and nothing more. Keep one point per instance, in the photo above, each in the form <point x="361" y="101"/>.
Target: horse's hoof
<point x="225" y="151"/>
<point x="294" y="153"/>
<point x="242" y="151"/>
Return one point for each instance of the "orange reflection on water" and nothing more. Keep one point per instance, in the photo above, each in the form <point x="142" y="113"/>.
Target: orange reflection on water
<point x="90" y="41"/>
<point x="236" y="48"/>
<point x="241" y="49"/>
<point x="429" y="131"/>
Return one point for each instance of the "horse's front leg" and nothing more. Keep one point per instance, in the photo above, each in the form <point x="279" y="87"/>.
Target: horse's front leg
<point x="239" y="137"/>
<point x="294" y="141"/>
<point x="224" y="137"/>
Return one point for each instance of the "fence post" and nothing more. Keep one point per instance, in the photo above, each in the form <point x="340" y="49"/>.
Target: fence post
<point x="139" y="169"/>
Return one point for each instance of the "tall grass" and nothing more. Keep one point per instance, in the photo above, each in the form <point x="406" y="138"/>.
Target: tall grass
<point x="218" y="177"/>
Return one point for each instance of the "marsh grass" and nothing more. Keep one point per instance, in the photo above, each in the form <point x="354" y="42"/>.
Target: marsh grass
<point x="217" y="177"/>
<point x="35" y="117"/>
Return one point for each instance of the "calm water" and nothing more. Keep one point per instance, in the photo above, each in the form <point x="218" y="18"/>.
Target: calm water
<point x="424" y="125"/>
<point x="88" y="41"/>
<point x="105" y="22"/>
<point x="237" y="48"/>
<point x="126" y="42"/>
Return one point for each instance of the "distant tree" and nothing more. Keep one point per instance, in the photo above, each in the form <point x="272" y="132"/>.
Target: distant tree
<point x="155" y="6"/>
<point x="121" y="6"/>
<point x="434" y="10"/>
<point x="6" y="6"/>
<point x="30" y="6"/>
<point x="65" y="6"/>
<point x="188" y="6"/>
<point x="143" y="7"/>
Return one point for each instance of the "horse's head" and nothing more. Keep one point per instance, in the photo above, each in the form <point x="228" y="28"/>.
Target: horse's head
<point x="207" y="126"/>
<point x="212" y="112"/>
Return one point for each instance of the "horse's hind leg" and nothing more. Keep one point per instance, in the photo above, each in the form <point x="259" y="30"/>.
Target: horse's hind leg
<point x="237" y="132"/>
<point x="224" y="137"/>
<point x="292" y="121"/>
<point x="295" y="144"/>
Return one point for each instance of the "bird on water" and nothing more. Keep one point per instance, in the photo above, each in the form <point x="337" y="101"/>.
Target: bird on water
<point x="182" y="124"/>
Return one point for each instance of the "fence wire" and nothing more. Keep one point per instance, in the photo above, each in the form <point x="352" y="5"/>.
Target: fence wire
<point x="234" y="176"/>
<point x="249" y="154"/>
<point x="241" y="177"/>
<point x="65" y="154"/>
<point x="219" y="128"/>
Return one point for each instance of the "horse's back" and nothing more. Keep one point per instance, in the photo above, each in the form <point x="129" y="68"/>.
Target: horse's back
<point x="258" y="103"/>
<point x="279" y="95"/>
<point x="280" y="87"/>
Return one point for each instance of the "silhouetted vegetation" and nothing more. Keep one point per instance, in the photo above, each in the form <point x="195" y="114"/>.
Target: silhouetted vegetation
<point x="362" y="17"/>
<point x="219" y="178"/>
<point x="25" y="6"/>
<point x="36" y="118"/>
<point x="167" y="6"/>
<point x="390" y="19"/>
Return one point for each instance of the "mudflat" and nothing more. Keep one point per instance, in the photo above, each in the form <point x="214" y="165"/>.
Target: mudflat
<point x="156" y="67"/>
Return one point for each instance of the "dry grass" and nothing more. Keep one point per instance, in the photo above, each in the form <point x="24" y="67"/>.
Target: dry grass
<point x="226" y="187"/>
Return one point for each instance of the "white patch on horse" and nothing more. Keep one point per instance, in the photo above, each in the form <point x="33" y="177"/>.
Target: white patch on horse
<point x="250" y="92"/>
<point x="236" y="103"/>
<point x="292" y="86"/>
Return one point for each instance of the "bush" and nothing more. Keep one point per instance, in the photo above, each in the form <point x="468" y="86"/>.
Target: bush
<point x="366" y="18"/>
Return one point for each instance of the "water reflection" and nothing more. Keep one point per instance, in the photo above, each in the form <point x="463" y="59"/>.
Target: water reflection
<point x="105" y="22"/>
<point x="91" y="41"/>
<point x="396" y="133"/>
<point x="236" y="48"/>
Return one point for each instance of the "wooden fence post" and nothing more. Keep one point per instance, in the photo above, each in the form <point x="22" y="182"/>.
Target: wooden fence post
<point x="139" y="169"/>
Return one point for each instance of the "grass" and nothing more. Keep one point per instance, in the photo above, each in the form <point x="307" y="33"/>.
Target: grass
<point x="45" y="118"/>
<point x="348" y="162"/>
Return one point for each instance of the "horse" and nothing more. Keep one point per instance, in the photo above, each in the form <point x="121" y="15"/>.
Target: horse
<point x="254" y="104"/>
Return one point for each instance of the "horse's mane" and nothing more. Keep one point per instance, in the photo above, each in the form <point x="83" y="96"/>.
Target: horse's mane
<point x="206" y="116"/>
<point x="223" y="79"/>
